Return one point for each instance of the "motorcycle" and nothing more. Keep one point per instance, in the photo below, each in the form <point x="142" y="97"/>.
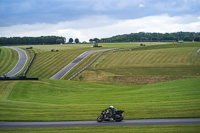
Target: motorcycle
<point x="105" y="116"/>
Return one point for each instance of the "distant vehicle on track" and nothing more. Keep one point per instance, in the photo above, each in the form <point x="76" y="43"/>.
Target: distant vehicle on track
<point x="29" y="48"/>
<point x="53" y="50"/>
<point x="142" y="44"/>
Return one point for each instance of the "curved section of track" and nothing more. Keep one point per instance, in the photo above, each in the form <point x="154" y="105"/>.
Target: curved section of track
<point x="21" y="63"/>
<point x="71" y="65"/>
<point x="94" y="123"/>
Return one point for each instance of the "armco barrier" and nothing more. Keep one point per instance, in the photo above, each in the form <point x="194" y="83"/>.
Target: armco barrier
<point x="25" y="72"/>
<point x="17" y="78"/>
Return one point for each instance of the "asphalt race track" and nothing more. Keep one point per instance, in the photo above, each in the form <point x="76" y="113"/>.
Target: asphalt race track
<point x="68" y="67"/>
<point x="21" y="63"/>
<point x="95" y="123"/>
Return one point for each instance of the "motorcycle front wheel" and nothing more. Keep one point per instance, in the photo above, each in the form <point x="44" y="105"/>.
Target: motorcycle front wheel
<point x="99" y="119"/>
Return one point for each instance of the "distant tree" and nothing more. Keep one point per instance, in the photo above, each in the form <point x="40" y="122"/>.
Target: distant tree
<point x="90" y="40"/>
<point x="154" y="39"/>
<point x="96" y="39"/>
<point x="76" y="40"/>
<point x="59" y="41"/>
<point x="144" y="39"/>
<point x="70" y="40"/>
<point x="187" y="39"/>
<point x="31" y="40"/>
<point x="197" y="39"/>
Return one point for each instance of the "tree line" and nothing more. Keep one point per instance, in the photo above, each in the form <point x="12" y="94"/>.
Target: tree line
<point x="32" y="40"/>
<point x="151" y="37"/>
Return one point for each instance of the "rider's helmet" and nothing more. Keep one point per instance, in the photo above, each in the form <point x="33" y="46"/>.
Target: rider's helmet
<point x="111" y="107"/>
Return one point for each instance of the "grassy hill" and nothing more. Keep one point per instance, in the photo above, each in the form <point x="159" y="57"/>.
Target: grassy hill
<point x="153" y="63"/>
<point x="70" y="100"/>
<point x="59" y="100"/>
<point x="53" y="100"/>
<point x="146" y="64"/>
<point x="48" y="63"/>
<point x="8" y="60"/>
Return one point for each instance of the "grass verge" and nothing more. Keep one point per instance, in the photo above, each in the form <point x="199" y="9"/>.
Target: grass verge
<point x="55" y="100"/>
<point x="116" y="129"/>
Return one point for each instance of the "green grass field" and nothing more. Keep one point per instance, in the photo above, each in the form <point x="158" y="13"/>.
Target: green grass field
<point x="8" y="60"/>
<point x="54" y="100"/>
<point x="152" y="60"/>
<point x="152" y="63"/>
<point x="116" y="129"/>
<point x="47" y="63"/>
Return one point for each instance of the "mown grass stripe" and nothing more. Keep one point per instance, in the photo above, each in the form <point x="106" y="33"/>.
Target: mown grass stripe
<point x="54" y="62"/>
<point x="8" y="59"/>
<point x="152" y="61"/>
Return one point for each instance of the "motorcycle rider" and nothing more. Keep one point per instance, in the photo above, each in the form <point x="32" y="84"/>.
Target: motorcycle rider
<point x="111" y="114"/>
<point x="111" y="111"/>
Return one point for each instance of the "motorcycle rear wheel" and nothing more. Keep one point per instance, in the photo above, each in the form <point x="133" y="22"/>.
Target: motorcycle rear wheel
<point x="119" y="118"/>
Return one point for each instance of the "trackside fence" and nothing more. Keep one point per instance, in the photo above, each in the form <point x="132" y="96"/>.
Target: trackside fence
<point x="17" y="78"/>
<point x="25" y="72"/>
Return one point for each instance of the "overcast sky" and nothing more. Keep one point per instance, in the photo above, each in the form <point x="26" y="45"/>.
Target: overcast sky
<point x="85" y="19"/>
